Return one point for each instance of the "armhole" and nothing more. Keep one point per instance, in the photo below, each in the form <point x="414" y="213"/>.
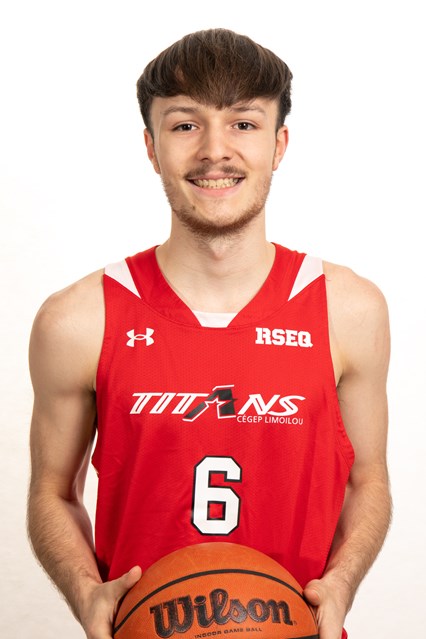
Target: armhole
<point x="118" y="272"/>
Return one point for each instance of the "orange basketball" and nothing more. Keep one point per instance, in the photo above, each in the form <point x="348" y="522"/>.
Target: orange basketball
<point x="212" y="590"/>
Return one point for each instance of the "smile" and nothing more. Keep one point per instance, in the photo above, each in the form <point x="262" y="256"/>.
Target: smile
<point x="221" y="183"/>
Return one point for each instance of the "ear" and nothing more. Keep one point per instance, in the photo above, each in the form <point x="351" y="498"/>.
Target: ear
<point x="149" y="142"/>
<point x="280" y="146"/>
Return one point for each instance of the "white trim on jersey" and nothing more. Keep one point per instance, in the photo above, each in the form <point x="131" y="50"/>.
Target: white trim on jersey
<point x="310" y="269"/>
<point x="214" y="320"/>
<point x="120" y="272"/>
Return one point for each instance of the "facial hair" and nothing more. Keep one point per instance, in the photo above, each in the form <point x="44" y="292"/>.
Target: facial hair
<point x="208" y="230"/>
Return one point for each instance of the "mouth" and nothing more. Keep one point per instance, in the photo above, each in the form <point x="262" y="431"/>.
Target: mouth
<point x="221" y="183"/>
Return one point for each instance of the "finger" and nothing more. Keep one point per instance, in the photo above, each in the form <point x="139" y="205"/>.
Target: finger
<point x="312" y="592"/>
<point x="312" y="595"/>
<point x="127" y="581"/>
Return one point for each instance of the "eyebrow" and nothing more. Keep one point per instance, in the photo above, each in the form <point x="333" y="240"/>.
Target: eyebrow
<point x="247" y="107"/>
<point x="179" y="109"/>
<point x="190" y="109"/>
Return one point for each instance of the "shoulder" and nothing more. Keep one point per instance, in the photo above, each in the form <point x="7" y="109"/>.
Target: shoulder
<point x="344" y="285"/>
<point x="68" y="329"/>
<point x="76" y="305"/>
<point x="358" y="318"/>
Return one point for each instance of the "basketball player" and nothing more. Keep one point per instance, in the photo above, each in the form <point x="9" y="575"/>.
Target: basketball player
<point x="237" y="388"/>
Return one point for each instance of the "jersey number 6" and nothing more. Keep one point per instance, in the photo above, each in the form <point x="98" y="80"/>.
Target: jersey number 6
<point x="215" y="509"/>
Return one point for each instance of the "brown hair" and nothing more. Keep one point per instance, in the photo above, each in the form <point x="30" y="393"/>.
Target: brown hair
<point x="216" y="67"/>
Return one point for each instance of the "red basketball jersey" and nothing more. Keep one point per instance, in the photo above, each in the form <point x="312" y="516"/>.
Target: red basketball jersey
<point x="227" y="434"/>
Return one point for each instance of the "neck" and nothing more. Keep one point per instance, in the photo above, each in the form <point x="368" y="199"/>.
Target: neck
<point x="219" y="275"/>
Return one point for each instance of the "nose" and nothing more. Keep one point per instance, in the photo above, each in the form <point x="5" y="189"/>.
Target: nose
<point x="215" y="145"/>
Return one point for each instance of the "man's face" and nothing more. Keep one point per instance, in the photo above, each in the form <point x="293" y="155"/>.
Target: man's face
<point x="215" y="164"/>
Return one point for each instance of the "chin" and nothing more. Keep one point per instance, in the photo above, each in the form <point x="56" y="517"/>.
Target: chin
<point x="207" y="229"/>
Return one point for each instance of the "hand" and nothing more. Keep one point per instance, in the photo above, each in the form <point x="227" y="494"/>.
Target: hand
<point x="101" y="606"/>
<point x="331" y="602"/>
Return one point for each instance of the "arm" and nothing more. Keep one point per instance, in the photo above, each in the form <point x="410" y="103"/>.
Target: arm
<point x="64" y="351"/>
<point x="360" y="346"/>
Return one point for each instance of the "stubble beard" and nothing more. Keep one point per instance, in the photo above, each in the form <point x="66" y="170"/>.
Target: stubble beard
<point x="209" y="230"/>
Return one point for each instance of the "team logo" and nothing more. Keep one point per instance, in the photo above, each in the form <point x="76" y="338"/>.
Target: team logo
<point x="277" y="408"/>
<point x="139" y="337"/>
<point x="283" y="337"/>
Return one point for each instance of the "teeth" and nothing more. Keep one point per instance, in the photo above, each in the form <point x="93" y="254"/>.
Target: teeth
<point x="222" y="183"/>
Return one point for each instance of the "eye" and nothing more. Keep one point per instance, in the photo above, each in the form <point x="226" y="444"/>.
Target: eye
<point x="245" y="126"/>
<point x="186" y="126"/>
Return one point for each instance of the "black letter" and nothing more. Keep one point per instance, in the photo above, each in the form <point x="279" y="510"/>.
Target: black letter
<point x="253" y="606"/>
<point x="200" y="606"/>
<point x="276" y="607"/>
<point x="174" y="624"/>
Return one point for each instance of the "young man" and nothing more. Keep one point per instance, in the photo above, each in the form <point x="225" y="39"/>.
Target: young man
<point x="238" y="388"/>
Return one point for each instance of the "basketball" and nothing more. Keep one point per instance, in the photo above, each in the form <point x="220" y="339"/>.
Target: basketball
<point x="212" y="590"/>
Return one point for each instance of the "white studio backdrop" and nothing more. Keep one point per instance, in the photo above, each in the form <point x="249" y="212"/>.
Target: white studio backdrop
<point x="77" y="192"/>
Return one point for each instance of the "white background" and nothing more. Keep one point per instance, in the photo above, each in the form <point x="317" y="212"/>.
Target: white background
<point x="77" y="192"/>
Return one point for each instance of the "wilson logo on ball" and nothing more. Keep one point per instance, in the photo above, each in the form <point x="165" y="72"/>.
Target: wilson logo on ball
<point x="178" y="615"/>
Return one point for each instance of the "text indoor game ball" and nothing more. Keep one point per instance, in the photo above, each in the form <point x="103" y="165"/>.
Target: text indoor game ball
<point x="215" y="589"/>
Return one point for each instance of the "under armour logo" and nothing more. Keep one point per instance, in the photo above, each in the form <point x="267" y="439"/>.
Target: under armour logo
<point x="138" y="337"/>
